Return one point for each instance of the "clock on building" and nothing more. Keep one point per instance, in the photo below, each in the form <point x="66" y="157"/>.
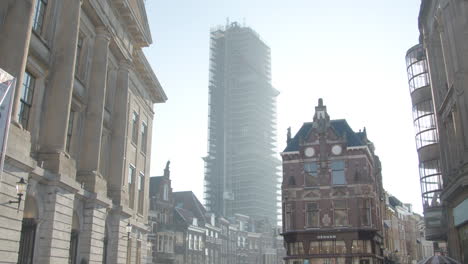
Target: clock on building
<point x="309" y="152"/>
<point x="336" y="149"/>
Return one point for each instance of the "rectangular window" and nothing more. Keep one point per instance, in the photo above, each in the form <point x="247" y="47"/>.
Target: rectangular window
<point x="340" y="247"/>
<point x="288" y="216"/>
<point x="26" y="98"/>
<point x="311" y="168"/>
<point x="39" y="14"/>
<point x="135" y="128"/>
<point x="131" y="185"/>
<point x="314" y="247"/>
<point x="365" y="212"/>
<point x="311" y="178"/>
<point x="141" y="190"/>
<point x="79" y="49"/>
<point x="144" y="136"/>
<point x="327" y="247"/>
<point x="360" y="246"/>
<point x="338" y="175"/>
<point x="160" y="243"/>
<point x="312" y="215"/>
<point x="71" y="121"/>
<point x="340" y="213"/>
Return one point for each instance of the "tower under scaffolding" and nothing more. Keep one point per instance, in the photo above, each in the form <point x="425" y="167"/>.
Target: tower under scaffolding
<point x="241" y="168"/>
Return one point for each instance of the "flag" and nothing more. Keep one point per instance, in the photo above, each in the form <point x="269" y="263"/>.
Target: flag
<point x="7" y="88"/>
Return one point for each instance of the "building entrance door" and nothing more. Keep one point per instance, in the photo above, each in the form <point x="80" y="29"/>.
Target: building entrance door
<point x="28" y="235"/>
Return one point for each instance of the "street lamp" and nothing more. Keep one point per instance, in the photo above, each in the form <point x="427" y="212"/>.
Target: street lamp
<point x="20" y="189"/>
<point x="128" y="228"/>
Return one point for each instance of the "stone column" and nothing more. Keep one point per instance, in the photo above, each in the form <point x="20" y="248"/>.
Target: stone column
<point x="91" y="149"/>
<point x="16" y="35"/>
<point x="58" y="96"/>
<point x="119" y="133"/>
<point x="92" y="234"/>
<point x="53" y="234"/>
<point x="118" y="238"/>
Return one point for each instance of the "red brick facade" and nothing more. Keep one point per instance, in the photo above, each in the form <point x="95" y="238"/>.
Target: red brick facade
<point x="331" y="195"/>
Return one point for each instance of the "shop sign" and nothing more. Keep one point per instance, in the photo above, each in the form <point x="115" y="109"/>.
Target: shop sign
<point x="326" y="237"/>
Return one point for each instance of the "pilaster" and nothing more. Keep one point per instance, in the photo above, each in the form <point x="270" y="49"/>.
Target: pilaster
<point x="58" y="96"/>
<point x="92" y="235"/>
<point x="88" y="171"/>
<point x="55" y="228"/>
<point x="119" y="134"/>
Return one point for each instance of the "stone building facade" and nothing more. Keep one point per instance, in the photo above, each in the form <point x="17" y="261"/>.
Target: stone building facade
<point x="443" y="33"/>
<point x="332" y="194"/>
<point x="191" y="235"/>
<point x="80" y="131"/>
<point x="161" y="218"/>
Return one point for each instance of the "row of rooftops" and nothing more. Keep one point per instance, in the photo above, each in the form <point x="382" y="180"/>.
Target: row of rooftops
<point x="193" y="213"/>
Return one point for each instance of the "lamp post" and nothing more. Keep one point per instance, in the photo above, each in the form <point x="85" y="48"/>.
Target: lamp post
<point x="128" y="229"/>
<point x="20" y="190"/>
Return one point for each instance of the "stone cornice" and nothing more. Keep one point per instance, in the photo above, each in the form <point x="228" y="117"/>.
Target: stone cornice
<point x="139" y="32"/>
<point x="147" y="75"/>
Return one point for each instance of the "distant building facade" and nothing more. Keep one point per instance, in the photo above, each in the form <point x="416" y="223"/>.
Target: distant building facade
<point x="161" y="219"/>
<point x="241" y="170"/>
<point x="404" y="237"/>
<point x="191" y="235"/>
<point x="443" y="27"/>
<point x="332" y="194"/>
<point x="80" y="134"/>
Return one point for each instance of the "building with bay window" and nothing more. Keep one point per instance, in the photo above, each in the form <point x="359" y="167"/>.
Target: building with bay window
<point x="332" y="194"/>
<point x="427" y="143"/>
<point x="80" y="132"/>
<point x="442" y="28"/>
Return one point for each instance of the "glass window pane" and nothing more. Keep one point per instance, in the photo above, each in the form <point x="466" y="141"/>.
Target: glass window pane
<point x="338" y="177"/>
<point x="340" y="247"/>
<point x="311" y="168"/>
<point x="314" y="247"/>
<point x="327" y="247"/>
<point x="338" y="165"/>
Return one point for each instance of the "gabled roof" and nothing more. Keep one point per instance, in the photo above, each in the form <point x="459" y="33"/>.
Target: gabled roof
<point x="185" y="215"/>
<point x="340" y="126"/>
<point x="394" y="202"/>
<point x="188" y="201"/>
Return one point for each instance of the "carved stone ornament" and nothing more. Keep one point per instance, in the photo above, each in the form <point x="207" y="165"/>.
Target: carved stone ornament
<point x="326" y="221"/>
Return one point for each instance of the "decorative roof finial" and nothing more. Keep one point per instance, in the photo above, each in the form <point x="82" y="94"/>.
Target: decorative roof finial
<point x="167" y="171"/>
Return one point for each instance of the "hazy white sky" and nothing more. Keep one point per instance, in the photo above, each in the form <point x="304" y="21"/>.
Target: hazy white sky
<point x="350" y="53"/>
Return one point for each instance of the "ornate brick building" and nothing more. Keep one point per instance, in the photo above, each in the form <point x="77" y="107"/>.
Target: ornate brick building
<point x="331" y="194"/>
<point x="80" y="134"/>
